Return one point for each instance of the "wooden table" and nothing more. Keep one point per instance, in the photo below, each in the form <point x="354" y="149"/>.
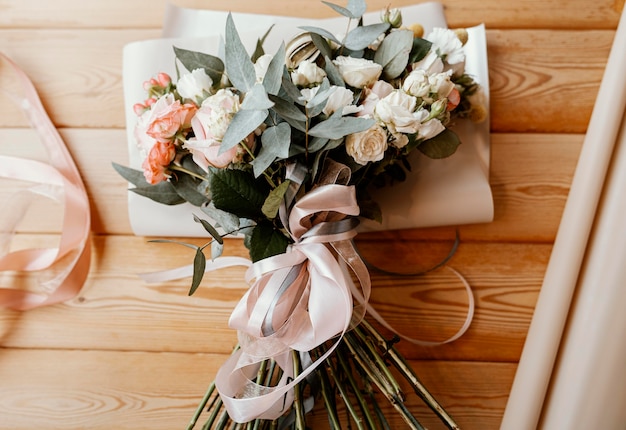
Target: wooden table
<point x="127" y="355"/>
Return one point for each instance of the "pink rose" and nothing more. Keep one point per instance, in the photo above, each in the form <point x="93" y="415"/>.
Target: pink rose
<point x="169" y="117"/>
<point x="156" y="163"/>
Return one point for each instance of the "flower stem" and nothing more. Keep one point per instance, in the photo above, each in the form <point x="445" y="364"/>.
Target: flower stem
<point x="407" y="372"/>
<point x="205" y="400"/>
<point x="187" y="171"/>
<point x="297" y="401"/>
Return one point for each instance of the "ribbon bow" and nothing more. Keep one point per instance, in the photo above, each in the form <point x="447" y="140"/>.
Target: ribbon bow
<point x="297" y="301"/>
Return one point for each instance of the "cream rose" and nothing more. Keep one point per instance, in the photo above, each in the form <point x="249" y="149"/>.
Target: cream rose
<point x="307" y="74"/>
<point x="396" y="110"/>
<point x="417" y="83"/>
<point x="358" y="72"/>
<point x="195" y="85"/>
<point x="340" y="98"/>
<point x="367" y="146"/>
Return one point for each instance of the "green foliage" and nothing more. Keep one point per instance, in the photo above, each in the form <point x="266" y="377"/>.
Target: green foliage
<point x="191" y="60"/>
<point x="441" y="146"/>
<point x="266" y="241"/>
<point x="238" y="192"/>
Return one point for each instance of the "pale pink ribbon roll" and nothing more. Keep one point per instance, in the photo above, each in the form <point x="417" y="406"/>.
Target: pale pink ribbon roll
<point x="75" y="236"/>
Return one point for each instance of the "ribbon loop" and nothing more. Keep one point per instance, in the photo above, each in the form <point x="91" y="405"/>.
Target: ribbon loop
<point x="62" y="173"/>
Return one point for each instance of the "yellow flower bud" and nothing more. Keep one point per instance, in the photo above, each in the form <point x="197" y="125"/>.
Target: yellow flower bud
<point x="461" y="33"/>
<point x="417" y="29"/>
<point x="478" y="113"/>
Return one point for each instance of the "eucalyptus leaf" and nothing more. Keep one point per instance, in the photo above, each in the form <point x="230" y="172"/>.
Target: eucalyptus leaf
<point x="238" y="64"/>
<point x="274" y="200"/>
<point x="290" y="89"/>
<point x="322" y="32"/>
<point x="274" y="73"/>
<point x="363" y="36"/>
<point x="354" y="9"/>
<point x="338" y="127"/>
<point x="287" y="110"/>
<point x="199" y="266"/>
<point x="217" y="249"/>
<point x="256" y="99"/>
<point x="441" y="146"/>
<point x="177" y="242"/>
<point x="238" y="192"/>
<point x="258" y="50"/>
<point x="266" y="241"/>
<point x="209" y="228"/>
<point x="317" y="144"/>
<point x="226" y="220"/>
<point x="191" y="60"/>
<point x="334" y="77"/>
<point x="393" y="52"/>
<point x="322" y="45"/>
<point x="244" y="122"/>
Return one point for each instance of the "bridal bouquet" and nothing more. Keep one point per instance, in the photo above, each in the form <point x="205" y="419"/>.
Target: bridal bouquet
<point x="283" y="150"/>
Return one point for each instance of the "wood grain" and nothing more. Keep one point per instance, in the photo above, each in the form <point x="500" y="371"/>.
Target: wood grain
<point x="128" y="355"/>
<point x="74" y="390"/>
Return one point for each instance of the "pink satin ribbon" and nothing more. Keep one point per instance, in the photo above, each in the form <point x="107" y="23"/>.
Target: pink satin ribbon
<point x="297" y="301"/>
<point x="75" y="236"/>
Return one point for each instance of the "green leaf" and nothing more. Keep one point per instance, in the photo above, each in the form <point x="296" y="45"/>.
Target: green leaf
<point x="290" y="90"/>
<point x="441" y="146"/>
<point x="363" y="36"/>
<point x="337" y="127"/>
<point x="420" y="48"/>
<point x="244" y="122"/>
<point x="238" y="64"/>
<point x="187" y="188"/>
<point x="266" y="241"/>
<point x="163" y="192"/>
<point x="213" y="66"/>
<point x="274" y="200"/>
<point x="188" y="245"/>
<point x="393" y="52"/>
<point x="354" y="9"/>
<point x="274" y="73"/>
<point x="256" y="99"/>
<point x="259" y="51"/>
<point x="237" y="192"/>
<point x="209" y="228"/>
<point x="199" y="265"/>
<point x="322" y="32"/>
<point x="133" y="176"/>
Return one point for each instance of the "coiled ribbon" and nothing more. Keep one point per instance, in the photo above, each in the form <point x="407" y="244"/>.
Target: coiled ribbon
<point x="58" y="180"/>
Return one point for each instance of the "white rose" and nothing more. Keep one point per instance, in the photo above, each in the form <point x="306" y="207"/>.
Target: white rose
<point x="341" y="98"/>
<point x="358" y="72"/>
<point x="215" y="114"/>
<point x="417" y="84"/>
<point x="261" y="65"/>
<point x="429" y="128"/>
<point x="441" y="84"/>
<point x="195" y="85"/>
<point x="367" y="146"/>
<point x="395" y="111"/>
<point x="307" y="73"/>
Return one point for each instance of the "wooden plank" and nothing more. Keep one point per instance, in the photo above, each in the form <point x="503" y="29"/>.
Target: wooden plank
<point x="538" y="83"/>
<point x="116" y="310"/>
<point x="145" y="13"/>
<point x="530" y="177"/>
<point x="139" y="390"/>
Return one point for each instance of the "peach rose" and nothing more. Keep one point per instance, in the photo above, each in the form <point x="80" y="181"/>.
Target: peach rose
<point x="169" y="117"/>
<point x="156" y="163"/>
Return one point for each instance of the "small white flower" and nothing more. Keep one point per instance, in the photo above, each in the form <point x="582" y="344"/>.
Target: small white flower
<point x="428" y="128"/>
<point x="417" y="84"/>
<point x="441" y="84"/>
<point x="261" y="65"/>
<point x="447" y="45"/>
<point x="358" y="72"/>
<point x="195" y="85"/>
<point x="307" y="74"/>
<point x="367" y="146"/>
<point x="341" y="98"/>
